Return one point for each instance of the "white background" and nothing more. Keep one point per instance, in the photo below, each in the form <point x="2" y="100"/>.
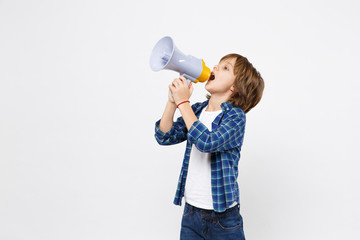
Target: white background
<point x="78" y="103"/>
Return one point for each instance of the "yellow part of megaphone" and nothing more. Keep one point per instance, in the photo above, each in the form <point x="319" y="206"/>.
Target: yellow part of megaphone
<point x="205" y="74"/>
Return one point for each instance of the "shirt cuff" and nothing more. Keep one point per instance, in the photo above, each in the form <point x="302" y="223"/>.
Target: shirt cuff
<point x="195" y="131"/>
<point x="160" y="134"/>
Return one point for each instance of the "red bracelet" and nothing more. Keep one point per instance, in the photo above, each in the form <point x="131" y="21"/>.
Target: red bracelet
<point x="182" y="103"/>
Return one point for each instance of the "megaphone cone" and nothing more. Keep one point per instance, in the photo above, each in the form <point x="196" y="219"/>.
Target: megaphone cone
<point x="165" y="55"/>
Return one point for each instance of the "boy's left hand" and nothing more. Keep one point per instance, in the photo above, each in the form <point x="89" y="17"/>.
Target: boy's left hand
<point x="180" y="90"/>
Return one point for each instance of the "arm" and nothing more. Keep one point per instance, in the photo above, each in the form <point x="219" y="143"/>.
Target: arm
<point x="182" y="92"/>
<point x="166" y="131"/>
<point x="166" y="121"/>
<point x="188" y="115"/>
<point x="227" y="136"/>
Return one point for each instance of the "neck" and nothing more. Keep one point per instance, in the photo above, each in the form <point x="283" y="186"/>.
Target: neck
<point x="215" y="103"/>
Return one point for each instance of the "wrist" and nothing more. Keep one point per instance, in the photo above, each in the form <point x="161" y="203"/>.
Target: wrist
<point x="171" y="106"/>
<point x="171" y="103"/>
<point x="180" y="100"/>
<point x="181" y="103"/>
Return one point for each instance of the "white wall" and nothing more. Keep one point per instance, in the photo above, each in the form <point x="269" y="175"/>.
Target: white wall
<point x="78" y="103"/>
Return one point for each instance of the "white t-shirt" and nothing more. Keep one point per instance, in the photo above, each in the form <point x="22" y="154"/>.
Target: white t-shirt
<point x="198" y="181"/>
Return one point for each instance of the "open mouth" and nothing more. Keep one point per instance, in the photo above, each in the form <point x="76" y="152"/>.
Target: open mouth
<point x="212" y="77"/>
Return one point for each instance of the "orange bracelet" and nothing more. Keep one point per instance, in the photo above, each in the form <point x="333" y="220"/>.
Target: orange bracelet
<point x="182" y="103"/>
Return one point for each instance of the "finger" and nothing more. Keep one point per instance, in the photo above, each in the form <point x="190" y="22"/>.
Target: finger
<point x="191" y="88"/>
<point x="181" y="82"/>
<point x="176" y="82"/>
<point x="182" y="78"/>
<point x="185" y="81"/>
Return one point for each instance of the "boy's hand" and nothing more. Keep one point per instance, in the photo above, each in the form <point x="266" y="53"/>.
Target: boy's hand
<point x="180" y="90"/>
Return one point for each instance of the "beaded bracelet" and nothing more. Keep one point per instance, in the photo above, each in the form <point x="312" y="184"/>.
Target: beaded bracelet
<point x="182" y="103"/>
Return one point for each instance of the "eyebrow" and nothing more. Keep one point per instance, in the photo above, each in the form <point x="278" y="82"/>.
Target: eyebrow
<point x="229" y="64"/>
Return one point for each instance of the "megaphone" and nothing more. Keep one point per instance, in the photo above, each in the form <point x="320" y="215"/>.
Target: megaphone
<point x="165" y="55"/>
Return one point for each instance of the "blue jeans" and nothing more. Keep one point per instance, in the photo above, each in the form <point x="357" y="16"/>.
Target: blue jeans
<point x="198" y="223"/>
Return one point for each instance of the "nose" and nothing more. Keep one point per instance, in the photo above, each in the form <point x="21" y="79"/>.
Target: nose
<point x="215" y="68"/>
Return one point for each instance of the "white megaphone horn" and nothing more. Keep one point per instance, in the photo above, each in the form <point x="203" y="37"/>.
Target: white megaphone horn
<point x="165" y="55"/>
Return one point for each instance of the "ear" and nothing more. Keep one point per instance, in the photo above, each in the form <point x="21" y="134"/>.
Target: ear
<point x="232" y="88"/>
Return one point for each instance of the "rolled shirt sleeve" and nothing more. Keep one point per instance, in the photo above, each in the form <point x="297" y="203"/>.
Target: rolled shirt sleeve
<point x="227" y="136"/>
<point x="175" y="135"/>
<point x="178" y="131"/>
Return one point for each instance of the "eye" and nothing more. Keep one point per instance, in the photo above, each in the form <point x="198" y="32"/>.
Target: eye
<point x="226" y="68"/>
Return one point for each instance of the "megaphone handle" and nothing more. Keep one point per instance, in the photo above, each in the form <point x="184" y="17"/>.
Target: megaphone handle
<point x="188" y="78"/>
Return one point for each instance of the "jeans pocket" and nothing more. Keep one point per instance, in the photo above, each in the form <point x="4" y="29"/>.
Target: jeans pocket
<point x="187" y="211"/>
<point x="230" y="222"/>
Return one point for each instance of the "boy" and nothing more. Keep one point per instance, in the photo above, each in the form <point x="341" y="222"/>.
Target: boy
<point x="216" y="129"/>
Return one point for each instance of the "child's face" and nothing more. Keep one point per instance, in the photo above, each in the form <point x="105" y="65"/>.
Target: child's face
<point x="223" y="79"/>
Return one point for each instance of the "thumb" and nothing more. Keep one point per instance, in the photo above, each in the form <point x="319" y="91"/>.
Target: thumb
<point x="191" y="87"/>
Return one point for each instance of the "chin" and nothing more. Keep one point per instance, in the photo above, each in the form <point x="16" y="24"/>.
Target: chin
<point x="209" y="90"/>
<point x="207" y="85"/>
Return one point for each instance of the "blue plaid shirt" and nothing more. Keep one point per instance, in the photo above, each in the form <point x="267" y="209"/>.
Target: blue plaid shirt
<point x="223" y="142"/>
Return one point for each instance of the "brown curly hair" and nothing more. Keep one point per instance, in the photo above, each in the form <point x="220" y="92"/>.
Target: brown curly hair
<point x="248" y="86"/>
